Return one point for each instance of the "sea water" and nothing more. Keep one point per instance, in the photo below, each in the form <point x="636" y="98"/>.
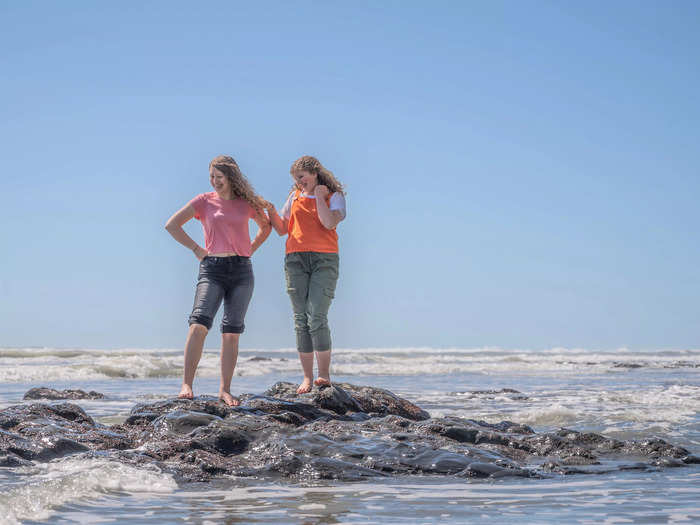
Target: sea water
<point x="622" y="394"/>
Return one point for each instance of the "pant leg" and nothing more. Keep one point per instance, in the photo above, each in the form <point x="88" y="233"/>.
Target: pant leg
<point x="297" y="273"/>
<point x="208" y="296"/>
<point x="237" y="296"/>
<point x="324" y="276"/>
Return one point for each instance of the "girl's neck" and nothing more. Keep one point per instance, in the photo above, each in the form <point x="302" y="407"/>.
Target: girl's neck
<point x="227" y="197"/>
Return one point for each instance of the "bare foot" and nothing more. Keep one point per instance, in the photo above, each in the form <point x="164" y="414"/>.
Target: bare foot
<point x="322" y="381"/>
<point x="227" y="398"/>
<point x="305" y="386"/>
<point x="185" y="392"/>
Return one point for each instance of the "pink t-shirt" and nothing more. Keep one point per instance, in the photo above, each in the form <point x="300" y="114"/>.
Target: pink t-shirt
<point x="225" y="223"/>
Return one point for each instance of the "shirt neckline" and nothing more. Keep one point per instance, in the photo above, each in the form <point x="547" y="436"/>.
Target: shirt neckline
<point x="216" y="196"/>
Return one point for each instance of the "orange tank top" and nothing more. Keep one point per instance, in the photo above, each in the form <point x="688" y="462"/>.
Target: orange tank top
<point x="306" y="233"/>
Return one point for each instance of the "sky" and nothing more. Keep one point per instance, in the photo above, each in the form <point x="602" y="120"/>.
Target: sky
<point x="518" y="174"/>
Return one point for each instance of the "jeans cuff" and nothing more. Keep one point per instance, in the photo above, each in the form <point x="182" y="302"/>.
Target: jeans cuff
<point x="229" y="329"/>
<point x="304" y="344"/>
<point x="201" y="319"/>
<point x="321" y="340"/>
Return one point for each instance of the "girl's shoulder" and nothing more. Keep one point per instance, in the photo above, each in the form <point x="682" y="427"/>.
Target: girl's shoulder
<point x="338" y="197"/>
<point x="202" y="198"/>
<point x="207" y="196"/>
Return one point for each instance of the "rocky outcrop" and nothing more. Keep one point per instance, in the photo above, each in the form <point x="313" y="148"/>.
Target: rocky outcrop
<point x="50" y="393"/>
<point x="343" y="432"/>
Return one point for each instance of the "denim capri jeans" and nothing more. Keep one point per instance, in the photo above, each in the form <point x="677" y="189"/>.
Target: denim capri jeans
<point x="223" y="279"/>
<point x="311" y="279"/>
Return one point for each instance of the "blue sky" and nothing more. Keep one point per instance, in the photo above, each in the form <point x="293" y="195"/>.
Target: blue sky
<point x="519" y="174"/>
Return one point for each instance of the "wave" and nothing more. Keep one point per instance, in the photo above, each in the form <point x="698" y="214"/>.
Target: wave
<point x="632" y="412"/>
<point x="46" y="364"/>
<point x="75" y="480"/>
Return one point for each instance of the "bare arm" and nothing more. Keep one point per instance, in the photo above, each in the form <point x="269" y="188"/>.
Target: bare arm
<point x="264" y="230"/>
<point x="329" y="218"/>
<point x="278" y="223"/>
<point x="174" y="227"/>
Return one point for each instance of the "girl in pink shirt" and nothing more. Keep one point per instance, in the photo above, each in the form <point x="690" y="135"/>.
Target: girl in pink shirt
<point x="225" y="271"/>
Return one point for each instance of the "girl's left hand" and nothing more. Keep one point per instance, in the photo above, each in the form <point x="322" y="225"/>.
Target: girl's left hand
<point x="321" y="191"/>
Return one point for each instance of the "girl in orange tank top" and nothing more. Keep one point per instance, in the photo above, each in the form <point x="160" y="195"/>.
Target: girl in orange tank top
<point x="309" y="219"/>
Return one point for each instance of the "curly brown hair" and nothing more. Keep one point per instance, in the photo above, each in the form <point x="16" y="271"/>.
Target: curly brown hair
<point x="313" y="165"/>
<point x="240" y="186"/>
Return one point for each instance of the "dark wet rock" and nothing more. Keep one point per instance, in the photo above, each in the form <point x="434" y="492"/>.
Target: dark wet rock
<point x="381" y="402"/>
<point x="668" y="462"/>
<point x="141" y="418"/>
<point x="260" y="358"/>
<point x="205" y="404"/>
<point x="682" y="364"/>
<point x="57" y="430"/>
<point x="222" y="439"/>
<point x="46" y="448"/>
<point x="501" y="391"/>
<point x="14" y="415"/>
<point x="270" y="405"/>
<point x="13" y="460"/>
<point x="344" y="397"/>
<point x="184" y="422"/>
<point x="340" y="432"/>
<point x="50" y="393"/>
<point x="628" y="365"/>
<point x="336" y="399"/>
<point x="481" y="470"/>
<point x="491" y="394"/>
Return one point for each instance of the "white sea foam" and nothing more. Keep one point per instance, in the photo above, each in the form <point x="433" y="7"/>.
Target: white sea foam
<point x="34" y="365"/>
<point x="74" y="479"/>
<point x="638" y="412"/>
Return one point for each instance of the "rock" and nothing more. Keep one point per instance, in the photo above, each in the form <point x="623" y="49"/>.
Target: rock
<point x="345" y="397"/>
<point x="50" y="393"/>
<point x="44" y="449"/>
<point x="13" y="460"/>
<point x="491" y="394"/>
<point x="340" y="432"/>
<point x="691" y="459"/>
<point x="380" y="402"/>
<point x="336" y="399"/>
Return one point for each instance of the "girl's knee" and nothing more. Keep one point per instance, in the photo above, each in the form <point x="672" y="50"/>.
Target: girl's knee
<point x="198" y="329"/>
<point x="318" y="322"/>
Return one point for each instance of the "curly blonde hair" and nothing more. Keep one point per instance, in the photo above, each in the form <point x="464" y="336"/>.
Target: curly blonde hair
<point x="240" y="186"/>
<point x="324" y="175"/>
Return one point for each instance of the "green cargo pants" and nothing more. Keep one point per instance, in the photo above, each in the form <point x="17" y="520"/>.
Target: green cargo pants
<point x="311" y="279"/>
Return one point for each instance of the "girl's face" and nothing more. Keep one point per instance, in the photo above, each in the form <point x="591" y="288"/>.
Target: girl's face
<point x="219" y="182"/>
<point x="307" y="181"/>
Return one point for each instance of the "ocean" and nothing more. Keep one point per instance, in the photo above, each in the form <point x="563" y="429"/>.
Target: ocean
<point x="622" y="394"/>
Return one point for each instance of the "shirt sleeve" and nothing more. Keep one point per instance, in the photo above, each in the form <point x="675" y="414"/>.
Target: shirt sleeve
<point x="287" y="208"/>
<point x="338" y="203"/>
<point x="198" y="204"/>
